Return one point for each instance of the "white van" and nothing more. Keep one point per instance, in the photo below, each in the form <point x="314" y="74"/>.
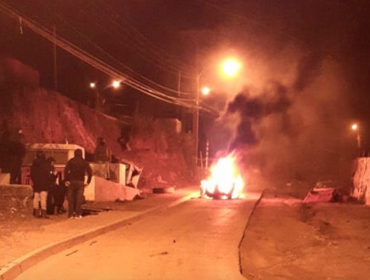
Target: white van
<point x="60" y="152"/>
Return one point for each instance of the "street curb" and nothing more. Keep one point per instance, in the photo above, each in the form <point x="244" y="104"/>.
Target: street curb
<point x="246" y="227"/>
<point x="21" y="264"/>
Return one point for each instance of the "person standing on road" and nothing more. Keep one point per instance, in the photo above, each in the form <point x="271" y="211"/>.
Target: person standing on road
<point x="57" y="191"/>
<point x="40" y="176"/>
<point x="74" y="174"/>
<point x="52" y="178"/>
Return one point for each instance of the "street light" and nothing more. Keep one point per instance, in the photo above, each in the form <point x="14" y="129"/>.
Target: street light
<point x="99" y="93"/>
<point x="116" y="84"/>
<point x="230" y="68"/>
<point x="205" y="91"/>
<point x="355" y="127"/>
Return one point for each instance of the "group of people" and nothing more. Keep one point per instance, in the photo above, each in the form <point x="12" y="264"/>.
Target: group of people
<point x="51" y="186"/>
<point x="50" y="190"/>
<point x="48" y="187"/>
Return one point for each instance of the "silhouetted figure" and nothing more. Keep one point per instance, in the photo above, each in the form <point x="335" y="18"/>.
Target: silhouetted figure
<point x="40" y="175"/>
<point x="102" y="156"/>
<point x="57" y="191"/>
<point x="74" y="175"/>
<point x="59" y="195"/>
<point x="17" y="151"/>
<point x="124" y="139"/>
<point x="4" y="147"/>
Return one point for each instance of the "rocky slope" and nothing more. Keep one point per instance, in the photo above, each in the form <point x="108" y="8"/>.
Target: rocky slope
<point x="49" y="117"/>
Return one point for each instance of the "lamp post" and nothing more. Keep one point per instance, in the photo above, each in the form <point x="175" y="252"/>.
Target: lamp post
<point x="196" y="118"/>
<point x="99" y="93"/>
<point x="204" y="91"/>
<point x="355" y="127"/>
<point x="230" y="67"/>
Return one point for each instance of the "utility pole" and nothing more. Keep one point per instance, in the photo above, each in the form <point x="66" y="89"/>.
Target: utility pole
<point x="196" y="113"/>
<point x="207" y="154"/>
<point x="181" y="109"/>
<point x="55" y="59"/>
<point x="196" y="119"/>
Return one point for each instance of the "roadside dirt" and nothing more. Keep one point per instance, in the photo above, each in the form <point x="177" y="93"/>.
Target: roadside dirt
<point x="17" y="224"/>
<point x="289" y="239"/>
<point x="21" y="220"/>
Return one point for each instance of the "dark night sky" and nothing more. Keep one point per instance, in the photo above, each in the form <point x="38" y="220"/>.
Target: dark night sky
<point x="306" y="64"/>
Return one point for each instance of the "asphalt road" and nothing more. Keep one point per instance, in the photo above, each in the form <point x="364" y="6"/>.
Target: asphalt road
<point x="196" y="239"/>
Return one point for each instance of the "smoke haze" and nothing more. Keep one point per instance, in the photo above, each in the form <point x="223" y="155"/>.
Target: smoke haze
<point x="305" y="75"/>
<point x="297" y="100"/>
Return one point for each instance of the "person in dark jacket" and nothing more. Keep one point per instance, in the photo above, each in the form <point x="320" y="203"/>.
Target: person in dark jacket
<point x="4" y="147"/>
<point x="40" y="175"/>
<point x="52" y="177"/>
<point x="57" y="192"/>
<point x="59" y="195"/>
<point x="74" y="174"/>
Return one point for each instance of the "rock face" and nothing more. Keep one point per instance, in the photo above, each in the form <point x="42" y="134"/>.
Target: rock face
<point x="49" y="117"/>
<point x="361" y="181"/>
<point x="14" y="72"/>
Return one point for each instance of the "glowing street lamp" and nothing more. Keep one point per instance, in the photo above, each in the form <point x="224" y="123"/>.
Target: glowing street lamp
<point x="99" y="93"/>
<point x="205" y="91"/>
<point x="355" y="127"/>
<point x="231" y="67"/>
<point x="116" y="84"/>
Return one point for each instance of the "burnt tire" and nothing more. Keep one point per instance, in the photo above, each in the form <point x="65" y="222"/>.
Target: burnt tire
<point x="164" y="190"/>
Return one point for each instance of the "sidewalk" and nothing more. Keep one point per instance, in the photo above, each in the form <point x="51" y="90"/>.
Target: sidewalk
<point x="56" y="236"/>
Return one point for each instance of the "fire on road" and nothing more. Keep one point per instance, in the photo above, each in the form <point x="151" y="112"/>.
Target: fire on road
<point x="225" y="180"/>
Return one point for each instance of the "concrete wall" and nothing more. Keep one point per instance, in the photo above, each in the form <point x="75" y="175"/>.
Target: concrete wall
<point x="103" y="190"/>
<point x="4" y="178"/>
<point x="17" y="196"/>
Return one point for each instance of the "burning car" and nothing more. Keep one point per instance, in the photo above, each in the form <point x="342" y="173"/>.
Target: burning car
<point x="225" y="181"/>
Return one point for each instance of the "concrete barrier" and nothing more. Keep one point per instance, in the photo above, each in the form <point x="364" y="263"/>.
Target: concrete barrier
<point x="4" y="178"/>
<point x="16" y="196"/>
<point x="103" y="190"/>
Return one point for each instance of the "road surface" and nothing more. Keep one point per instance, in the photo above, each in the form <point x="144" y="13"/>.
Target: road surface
<point x="197" y="239"/>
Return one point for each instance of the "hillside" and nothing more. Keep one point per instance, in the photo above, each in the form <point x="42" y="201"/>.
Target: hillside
<point x="49" y="117"/>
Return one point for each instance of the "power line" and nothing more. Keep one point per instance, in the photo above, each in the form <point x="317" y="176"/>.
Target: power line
<point x="98" y="64"/>
<point x="111" y="57"/>
<point x="250" y="20"/>
<point x="123" y="34"/>
<point x="177" y="64"/>
<point x="118" y="38"/>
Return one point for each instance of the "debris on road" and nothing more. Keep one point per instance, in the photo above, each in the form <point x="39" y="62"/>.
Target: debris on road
<point x="159" y="254"/>
<point x="322" y="192"/>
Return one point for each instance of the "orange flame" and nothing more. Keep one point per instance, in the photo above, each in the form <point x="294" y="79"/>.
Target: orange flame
<point x="225" y="180"/>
